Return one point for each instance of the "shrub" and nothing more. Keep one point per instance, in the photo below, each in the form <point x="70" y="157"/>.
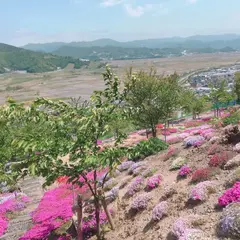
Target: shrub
<point x="173" y="139"/>
<point x="233" y="163"/>
<point x="172" y="130"/>
<point x="172" y="152"/>
<point x="138" y="171"/>
<point x="182" y="231"/>
<point x="159" y="211"/>
<point x="184" y="171"/>
<point x="135" y="166"/>
<point x="179" y="227"/>
<point x="146" y="148"/>
<point x="178" y="163"/>
<point x="148" y="172"/>
<point x="140" y="202"/>
<point x="190" y="124"/>
<point x="110" y="184"/>
<point x="201" y="174"/>
<point x="135" y="186"/>
<point x="125" y="166"/>
<point x="233" y="177"/>
<point x="218" y="160"/>
<point x="229" y="226"/>
<point x="232" y="119"/>
<point x="166" y="133"/>
<point x="193" y="141"/>
<point x="215" y="148"/>
<point x="154" y="181"/>
<point x="230" y="195"/>
<point x="202" y="190"/>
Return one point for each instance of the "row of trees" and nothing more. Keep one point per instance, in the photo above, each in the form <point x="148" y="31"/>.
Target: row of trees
<point x="34" y="139"/>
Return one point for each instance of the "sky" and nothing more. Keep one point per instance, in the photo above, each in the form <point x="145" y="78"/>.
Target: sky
<point x="40" y="21"/>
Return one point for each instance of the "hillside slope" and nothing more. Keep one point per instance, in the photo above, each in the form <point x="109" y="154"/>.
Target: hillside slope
<point x="13" y="58"/>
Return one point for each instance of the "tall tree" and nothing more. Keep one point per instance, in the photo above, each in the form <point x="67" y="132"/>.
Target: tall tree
<point x="151" y="98"/>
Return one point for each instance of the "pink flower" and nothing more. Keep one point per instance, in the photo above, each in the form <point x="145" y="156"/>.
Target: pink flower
<point x="154" y="181"/>
<point x="184" y="171"/>
<point x="230" y="195"/>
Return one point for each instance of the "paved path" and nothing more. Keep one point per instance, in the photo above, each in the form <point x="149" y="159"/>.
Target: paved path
<point x="16" y="227"/>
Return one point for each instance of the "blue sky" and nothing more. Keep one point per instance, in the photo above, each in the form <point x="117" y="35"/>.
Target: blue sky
<point x="33" y="21"/>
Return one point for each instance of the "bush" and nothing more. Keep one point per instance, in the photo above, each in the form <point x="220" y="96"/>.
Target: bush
<point x="138" y="171"/>
<point x="173" y="140"/>
<point x="233" y="177"/>
<point x="136" y="166"/>
<point x="178" y="163"/>
<point x="135" y="186"/>
<point x="148" y="172"/>
<point x="218" y="159"/>
<point x="146" y="148"/>
<point x="140" y="202"/>
<point x="184" y="171"/>
<point x="215" y="148"/>
<point x="125" y="166"/>
<point x="194" y="141"/>
<point x="202" y="190"/>
<point x="201" y="175"/>
<point x="159" y="211"/>
<point x="233" y="163"/>
<point x="230" y="195"/>
<point x="172" y="152"/>
<point x="229" y="225"/>
<point x="234" y="118"/>
<point x="154" y="181"/>
<point x="110" y="184"/>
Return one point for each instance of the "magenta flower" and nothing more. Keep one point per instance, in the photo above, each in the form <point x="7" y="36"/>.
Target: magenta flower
<point x="154" y="181"/>
<point x="184" y="171"/>
<point x="230" y="195"/>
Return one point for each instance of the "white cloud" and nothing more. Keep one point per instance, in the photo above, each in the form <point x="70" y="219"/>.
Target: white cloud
<point x="110" y="3"/>
<point x="138" y="10"/>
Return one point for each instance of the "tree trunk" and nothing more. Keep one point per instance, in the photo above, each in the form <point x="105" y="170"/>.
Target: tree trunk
<point x="154" y="132"/>
<point x="79" y="217"/>
<point x="104" y="204"/>
<point x="97" y="215"/>
<point x="97" y="207"/>
<point x="147" y="133"/>
<point x="165" y="129"/>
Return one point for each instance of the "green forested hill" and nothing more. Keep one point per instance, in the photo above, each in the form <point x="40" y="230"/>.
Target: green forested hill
<point x="119" y="53"/>
<point x="14" y="58"/>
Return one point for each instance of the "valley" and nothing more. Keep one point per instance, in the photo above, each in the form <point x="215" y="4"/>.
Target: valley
<point x="71" y="82"/>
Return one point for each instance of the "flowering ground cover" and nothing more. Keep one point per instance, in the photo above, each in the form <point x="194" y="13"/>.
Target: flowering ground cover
<point x="230" y="195"/>
<point x="10" y="203"/>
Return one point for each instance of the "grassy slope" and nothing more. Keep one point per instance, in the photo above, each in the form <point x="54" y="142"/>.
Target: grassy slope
<point x="15" y="58"/>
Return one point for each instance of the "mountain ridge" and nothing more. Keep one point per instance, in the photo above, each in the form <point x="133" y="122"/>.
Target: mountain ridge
<point x="202" y="40"/>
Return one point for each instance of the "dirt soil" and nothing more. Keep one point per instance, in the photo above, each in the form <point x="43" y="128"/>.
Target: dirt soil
<point x="141" y="227"/>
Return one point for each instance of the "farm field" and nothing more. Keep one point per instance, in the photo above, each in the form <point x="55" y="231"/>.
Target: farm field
<point x="75" y="83"/>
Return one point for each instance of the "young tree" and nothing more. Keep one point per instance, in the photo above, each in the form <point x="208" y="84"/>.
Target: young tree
<point x="60" y="129"/>
<point x="219" y="94"/>
<point x="191" y="103"/>
<point x="237" y="86"/>
<point x="151" y="98"/>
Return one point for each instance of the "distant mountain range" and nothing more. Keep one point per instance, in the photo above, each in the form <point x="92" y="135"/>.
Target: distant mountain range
<point x="105" y="49"/>
<point x="13" y="58"/>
